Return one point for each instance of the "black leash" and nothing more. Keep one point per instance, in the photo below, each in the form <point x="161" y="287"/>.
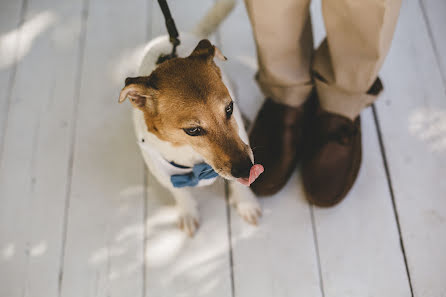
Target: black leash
<point x="171" y="29"/>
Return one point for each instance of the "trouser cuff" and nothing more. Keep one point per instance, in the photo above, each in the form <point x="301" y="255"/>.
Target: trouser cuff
<point x="336" y="100"/>
<point x="291" y="95"/>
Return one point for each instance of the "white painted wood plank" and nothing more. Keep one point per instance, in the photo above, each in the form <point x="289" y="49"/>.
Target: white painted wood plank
<point x="34" y="167"/>
<point x="412" y="116"/>
<point x="10" y="20"/>
<point x="10" y="13"/>
<point x="186" y="14"/>
<point x="358" y="240"/>
<point x="104" y="246"/>
<point x="435" y="17"/>
<point x="276" y="258"/>
<point x="177" y="265"/>
<point x="317" y="22"/>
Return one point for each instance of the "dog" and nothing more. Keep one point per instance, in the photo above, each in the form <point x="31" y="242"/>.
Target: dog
<point x="189" y="128"/>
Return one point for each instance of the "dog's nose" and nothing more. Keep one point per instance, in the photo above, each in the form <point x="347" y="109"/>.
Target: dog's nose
<point x="241" y="168"/>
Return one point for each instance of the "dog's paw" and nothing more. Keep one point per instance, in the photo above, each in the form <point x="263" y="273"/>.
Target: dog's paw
<point x="188" y="222"/>
<point x="249" y="210"/>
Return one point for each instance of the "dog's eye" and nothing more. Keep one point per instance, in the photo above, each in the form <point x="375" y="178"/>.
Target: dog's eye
<point x="229" y="110"/>
<point x="195" y="131"/>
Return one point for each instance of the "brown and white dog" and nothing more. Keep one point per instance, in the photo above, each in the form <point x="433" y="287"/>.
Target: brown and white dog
<point x="186" y="120"/>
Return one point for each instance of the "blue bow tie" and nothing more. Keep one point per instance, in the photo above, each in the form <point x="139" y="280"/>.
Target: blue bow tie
<point x="191" y="179"/>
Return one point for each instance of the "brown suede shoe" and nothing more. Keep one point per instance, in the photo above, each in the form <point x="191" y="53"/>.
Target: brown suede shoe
<point x="332" y="157"/>
<point x="277" y="142"/>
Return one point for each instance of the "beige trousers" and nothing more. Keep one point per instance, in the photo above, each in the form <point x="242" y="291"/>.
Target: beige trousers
<point x="345" y="65"/>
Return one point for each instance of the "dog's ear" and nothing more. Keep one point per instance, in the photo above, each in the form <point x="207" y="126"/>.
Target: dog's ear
<point x="206" y="50"/>
<point x="141" y="92"/>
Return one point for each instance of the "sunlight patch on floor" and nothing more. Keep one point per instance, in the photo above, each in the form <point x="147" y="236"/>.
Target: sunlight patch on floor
<point x="8" y="251"/>
<point x="429" y="125"/>
<point x="25" y="35"/>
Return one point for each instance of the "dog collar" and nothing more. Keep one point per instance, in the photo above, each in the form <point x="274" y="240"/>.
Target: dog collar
<point x="191" y="179"/>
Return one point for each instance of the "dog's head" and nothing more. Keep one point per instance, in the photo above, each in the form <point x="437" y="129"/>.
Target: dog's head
<point x="185" y="102"/>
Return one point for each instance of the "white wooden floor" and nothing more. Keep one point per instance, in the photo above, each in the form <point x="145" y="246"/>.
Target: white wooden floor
<point x="80" y="216"/>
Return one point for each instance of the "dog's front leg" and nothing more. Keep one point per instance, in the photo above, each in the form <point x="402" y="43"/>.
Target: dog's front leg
<point x="188" y="218"/>
<point x="245" y="202"/>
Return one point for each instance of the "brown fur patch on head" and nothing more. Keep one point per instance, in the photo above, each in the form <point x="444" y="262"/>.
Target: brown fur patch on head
<point x="184" y="93"/>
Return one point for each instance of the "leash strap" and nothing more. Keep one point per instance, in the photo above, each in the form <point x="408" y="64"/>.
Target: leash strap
<point x="171" y="29"/>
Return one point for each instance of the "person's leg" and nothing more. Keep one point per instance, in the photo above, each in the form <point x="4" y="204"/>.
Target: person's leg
<point x="284" y="41"/>
<point x="346" y="64"/>
<point x="345" y="71"/>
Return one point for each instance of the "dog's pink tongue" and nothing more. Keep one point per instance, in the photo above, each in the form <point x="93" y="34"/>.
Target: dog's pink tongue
<point x="254" y="173"/>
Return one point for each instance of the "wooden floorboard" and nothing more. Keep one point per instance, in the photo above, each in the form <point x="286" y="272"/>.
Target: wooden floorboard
<point x="104" y="240"/>
<point x="11" y="19"/>
<point x="34" y="167"/>
<point x="277" y="257"/>
<point x="177" y="265"/>
<point x="411" y="115"/>
<point x="186" y="15"/>
<point x="434" y="16"/>
<point x="80" y="215"/>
